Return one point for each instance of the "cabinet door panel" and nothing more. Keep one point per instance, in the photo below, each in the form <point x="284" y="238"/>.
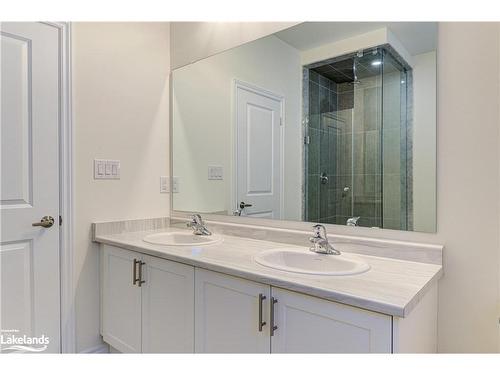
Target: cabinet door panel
<point x="313" y="325"/>
<point x="167" y="307"/>
<point x="121" y="300"/>
<point x="227" y="314"/>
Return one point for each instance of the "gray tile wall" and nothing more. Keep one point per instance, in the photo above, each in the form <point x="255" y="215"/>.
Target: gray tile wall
<point x="323" y="104"/>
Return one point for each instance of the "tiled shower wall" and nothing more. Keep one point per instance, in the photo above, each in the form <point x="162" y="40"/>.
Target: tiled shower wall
<point x="360" y="109"/>
<point x="321" y="158"/>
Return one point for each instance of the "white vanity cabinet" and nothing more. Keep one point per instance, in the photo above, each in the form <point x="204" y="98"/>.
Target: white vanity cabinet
<point x="151" y="304"/>
<point x="228" y="311"/>
<point x="147" y="303"/>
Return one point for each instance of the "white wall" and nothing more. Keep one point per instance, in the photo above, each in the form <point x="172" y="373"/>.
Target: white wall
<point x="424" y="142"/>
<point x="120" y="102"/>
<point x="468" y="187"/>
<point x="203" y="109"/>
<point x="192" y="41"/>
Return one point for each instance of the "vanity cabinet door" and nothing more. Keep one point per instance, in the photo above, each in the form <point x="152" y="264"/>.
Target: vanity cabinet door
<point x="167" y="307"/>
<point x="308" y="324"/>
<point x="227" y="314"/>
<point x="121" y="299"/>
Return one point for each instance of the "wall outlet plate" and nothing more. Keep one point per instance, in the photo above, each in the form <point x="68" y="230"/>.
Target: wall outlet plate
<point x="106" y="169"/>
<point x="175" y="184"/>
<point x="164" y="184"/>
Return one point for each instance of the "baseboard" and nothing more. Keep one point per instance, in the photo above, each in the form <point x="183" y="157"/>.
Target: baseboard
<point x="99" y="349"/>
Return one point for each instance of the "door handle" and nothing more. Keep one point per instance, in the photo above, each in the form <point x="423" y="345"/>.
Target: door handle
<point x="46" y="222"/>
<point x="244" y="205"/>
<point x="261" y="323"/>
<point x="273" y="326"/>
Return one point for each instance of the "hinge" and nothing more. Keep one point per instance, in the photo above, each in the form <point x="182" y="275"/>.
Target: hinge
<point x="307" y="139"/>
<point x="281" y="121"/>
<point x="60" y="220"/>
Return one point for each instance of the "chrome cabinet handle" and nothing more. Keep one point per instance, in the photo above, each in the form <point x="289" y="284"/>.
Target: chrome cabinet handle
<point x="46" y="222"/>
<point x="141" y="281"/>
<point x="261" y="323"/>
<point x="273" y="327"/>
<point x="134" y="271"/>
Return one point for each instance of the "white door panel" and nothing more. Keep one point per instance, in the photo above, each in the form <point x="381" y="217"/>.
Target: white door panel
<point x="167" y="307"/>
<point x="258" y="150"/>
<point x="227" y="314"/>
<point x="121" y="300"/>
<point x="313" y="325"/>
<point x="29" y="256"/>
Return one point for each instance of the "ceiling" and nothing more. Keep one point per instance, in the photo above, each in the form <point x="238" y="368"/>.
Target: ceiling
<point x="417" y="37"/>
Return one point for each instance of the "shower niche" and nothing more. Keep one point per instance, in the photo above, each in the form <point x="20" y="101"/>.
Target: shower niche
<point x="357" y="144"/>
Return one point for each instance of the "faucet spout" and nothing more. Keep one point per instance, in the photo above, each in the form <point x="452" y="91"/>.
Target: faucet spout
<point x="320" y="243"/>
<point x="353" y="221"/>
<point x="198" y="226"/>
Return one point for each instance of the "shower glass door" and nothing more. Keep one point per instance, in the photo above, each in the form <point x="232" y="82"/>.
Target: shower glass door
<point x="356" y="141"/>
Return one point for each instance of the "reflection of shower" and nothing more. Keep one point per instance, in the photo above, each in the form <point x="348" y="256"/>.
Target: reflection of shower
<point x="356" y="152"/>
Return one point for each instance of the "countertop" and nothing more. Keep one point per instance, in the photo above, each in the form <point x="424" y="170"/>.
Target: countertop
<point x="391" y="286"/>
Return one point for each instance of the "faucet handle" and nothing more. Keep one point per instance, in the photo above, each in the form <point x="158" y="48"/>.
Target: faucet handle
<point x="197" y="219"/>
<point x="318" y="228"/>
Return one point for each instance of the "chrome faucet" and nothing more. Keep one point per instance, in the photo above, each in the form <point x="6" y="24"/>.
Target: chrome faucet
<point x="320" y="242"/>
<point x="353" y="221"/>
<point x="198" y="226"/>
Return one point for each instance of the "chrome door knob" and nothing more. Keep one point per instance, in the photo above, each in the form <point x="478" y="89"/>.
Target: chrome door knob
<point x="46" y="222"/>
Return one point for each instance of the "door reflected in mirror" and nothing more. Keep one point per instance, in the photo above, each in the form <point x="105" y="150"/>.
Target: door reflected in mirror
<point x="322" y="122"/>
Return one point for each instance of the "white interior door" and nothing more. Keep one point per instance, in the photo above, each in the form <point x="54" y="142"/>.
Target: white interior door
<point x="29" y="255"/>
<point x="258" y="152"/>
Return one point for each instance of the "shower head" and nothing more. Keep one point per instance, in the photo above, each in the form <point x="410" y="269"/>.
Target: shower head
<point x="356" y="81"/>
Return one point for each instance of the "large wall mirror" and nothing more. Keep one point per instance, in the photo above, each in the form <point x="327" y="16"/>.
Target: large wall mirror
<point x="327" y="122"/>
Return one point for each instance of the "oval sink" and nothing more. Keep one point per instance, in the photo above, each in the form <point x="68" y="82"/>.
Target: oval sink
<point x="181" y="239"/>
<point x="305" y="261"/>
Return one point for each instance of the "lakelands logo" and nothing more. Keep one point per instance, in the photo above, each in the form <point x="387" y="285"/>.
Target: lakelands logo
<point x="11" y="341"/>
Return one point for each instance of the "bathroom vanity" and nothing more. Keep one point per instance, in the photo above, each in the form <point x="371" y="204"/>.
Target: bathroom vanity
<point x="216" y="298"/>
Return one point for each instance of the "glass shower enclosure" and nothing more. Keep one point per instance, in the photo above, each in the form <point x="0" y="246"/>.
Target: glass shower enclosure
<point x="357" y="151"/>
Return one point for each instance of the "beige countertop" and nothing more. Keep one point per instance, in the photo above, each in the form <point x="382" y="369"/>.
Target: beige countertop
<point x="391" y="286"/>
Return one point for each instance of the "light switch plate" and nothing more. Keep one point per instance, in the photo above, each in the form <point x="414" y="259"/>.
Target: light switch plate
<point x="215" y="172"/>
<point x="106" y="169"/>
<point x="164" y="184"/>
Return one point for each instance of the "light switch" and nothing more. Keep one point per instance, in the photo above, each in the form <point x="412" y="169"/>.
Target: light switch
<point x="106" y="169"/>
<point x="215" y="172"/>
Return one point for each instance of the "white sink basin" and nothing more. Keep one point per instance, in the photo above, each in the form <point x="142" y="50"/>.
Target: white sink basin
<point x="305" y="261"/>
<point x="181" y="239"/>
